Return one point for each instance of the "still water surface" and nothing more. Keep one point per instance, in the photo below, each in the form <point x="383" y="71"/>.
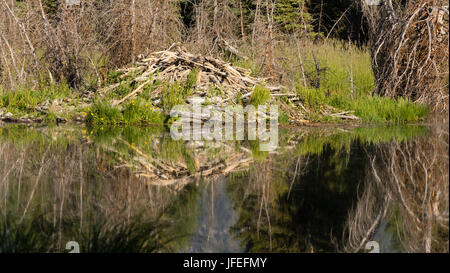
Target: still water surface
<point x="136" y="190"/>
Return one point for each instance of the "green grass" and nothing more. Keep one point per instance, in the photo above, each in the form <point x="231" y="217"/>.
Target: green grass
<point x="283" y="118"/>
<point x="311" y="98"/>
<point x="379" y="109"/>
<point x="142" y="112"/>
<point x="248" y="64"/>
<point x="102" y="114"/>
<point x="172" y="94"/>
<point x="113" y="77"/>
<point x="120" y="91"/>
<point x="338" y="62"/>
<point x="24" y="100"/>
<point x="369" y="108"/>
<point x="135" y="112"/>
<point x="260" y="96"/>
<point x="190" y="82"/>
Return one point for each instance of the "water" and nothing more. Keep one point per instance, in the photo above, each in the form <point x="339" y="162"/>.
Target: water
<point x="328" y="189"/>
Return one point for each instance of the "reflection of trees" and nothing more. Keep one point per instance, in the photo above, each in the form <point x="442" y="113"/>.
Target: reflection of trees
<point x="301" y="209"/>
<point x="291" y="203"/>
<point x="414" y="175"/>
<point x="366" y="215"/>
<point x="57" y="191"/>
<point x="299" y="199"/>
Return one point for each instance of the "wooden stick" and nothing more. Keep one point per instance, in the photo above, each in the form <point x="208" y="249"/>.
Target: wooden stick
<point x="132" y="93"/>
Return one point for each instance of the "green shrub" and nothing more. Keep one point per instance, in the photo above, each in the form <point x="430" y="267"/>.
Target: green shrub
<point x="248" y="64"/>
<point x="103" y="113"/>
<point x="141" y="112"/>
<point x="121" y="91"/>
<point x="283" y="118"/>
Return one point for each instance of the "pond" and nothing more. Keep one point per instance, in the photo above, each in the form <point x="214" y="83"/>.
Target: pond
<point x="126" y="189"/>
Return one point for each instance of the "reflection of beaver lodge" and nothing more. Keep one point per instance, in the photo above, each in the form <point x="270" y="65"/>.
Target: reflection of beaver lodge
<point x="200" y="165"/>
<point x="409" y="45"/>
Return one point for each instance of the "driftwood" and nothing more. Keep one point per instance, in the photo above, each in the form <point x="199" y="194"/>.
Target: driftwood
<point x="10" y="119"/>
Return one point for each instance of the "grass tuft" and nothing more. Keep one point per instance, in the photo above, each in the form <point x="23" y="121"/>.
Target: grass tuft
<point x="260" y="95"/>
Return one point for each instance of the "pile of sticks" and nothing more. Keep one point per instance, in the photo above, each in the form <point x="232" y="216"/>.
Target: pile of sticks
<point x="232" y="81"/>
<point x="175" y="66"/>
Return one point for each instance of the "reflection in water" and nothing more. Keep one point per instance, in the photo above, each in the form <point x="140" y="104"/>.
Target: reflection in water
<point x="215" y="219"/>
<point x="137" y="190"/>
<point x="60" y="189"/>
<point x="415" y="175"/>
<point x="406" y="194"/>
<point x="303" y="209"/>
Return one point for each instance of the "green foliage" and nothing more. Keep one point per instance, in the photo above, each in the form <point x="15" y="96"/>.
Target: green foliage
<point x="338" y="60"/>
<point x="239" y="98"/>
<point x="214" y="91"/>
<point x="335" y="88"/>
<point x="113" y="76"/>
<point x="135" y="112"/>
<point x="140" y="112"/>
<point x="312" y="98"/>
<point x="190" y="82"/>
<point x="120" y="91"/>
<point x="147" y="91"/>
<point x="291" y="15"/>
<point x="283" y="118"/>
<point x="24" y="100"/>
<point x="50" y="118"/>
<point x="248" y="64"/>
<point x="172" y="94"/>
<point x="260" y="95"/>
<point x="103" y="113"/>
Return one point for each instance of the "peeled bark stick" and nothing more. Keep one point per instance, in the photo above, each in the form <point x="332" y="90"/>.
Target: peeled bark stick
<point x="204" y="66"/>
<point x="132" y="93"/>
